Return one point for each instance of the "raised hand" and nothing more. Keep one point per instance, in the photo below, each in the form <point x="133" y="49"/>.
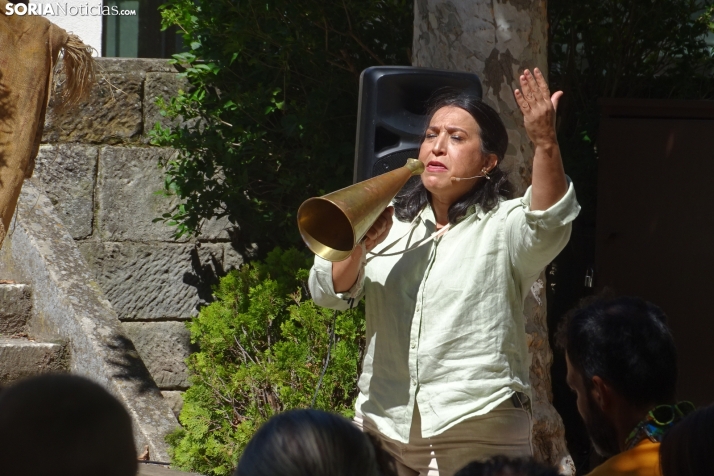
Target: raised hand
<point x="538" y="107"/>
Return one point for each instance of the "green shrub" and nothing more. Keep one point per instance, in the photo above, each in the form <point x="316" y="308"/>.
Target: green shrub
<point x="263" y="346"/>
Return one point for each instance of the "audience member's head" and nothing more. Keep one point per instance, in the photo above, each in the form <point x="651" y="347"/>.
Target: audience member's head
<point x="621" y="363"/>
<point x="312" y="443"/>
<point x="688" y="448"/>
<point x="64" y="425"/>
<point x="504" y="466"/>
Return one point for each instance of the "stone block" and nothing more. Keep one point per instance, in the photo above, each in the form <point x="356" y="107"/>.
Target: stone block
<point x="175" y="400"/>
<point x="67" y="172"/>
<point x="155" y="281"/>
<point x="22" y="358"/>
<point x="216" y="229"/>
<point x="128" y="180"/>
<point x="231" y="258"/>
<point x="165" y="86"/>
<point x="163" y="346"/>
<point x="15" y="308"/>
<point x="111" y="115"/>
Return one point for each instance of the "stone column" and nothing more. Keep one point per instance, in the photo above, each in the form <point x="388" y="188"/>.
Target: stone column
<point x="497" y="40"/>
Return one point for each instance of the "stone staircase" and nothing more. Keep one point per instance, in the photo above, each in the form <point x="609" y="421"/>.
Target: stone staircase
<point x="21" y="355"/>
<point x="60" y="320"/>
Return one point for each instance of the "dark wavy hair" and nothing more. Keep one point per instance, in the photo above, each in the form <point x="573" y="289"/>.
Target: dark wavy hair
<point x="64" y="424"/>
<point x="494" y="140"/>
<point x="626" y="342"/>
<point x="505" y="466"/>
<point x="313" y="443"/>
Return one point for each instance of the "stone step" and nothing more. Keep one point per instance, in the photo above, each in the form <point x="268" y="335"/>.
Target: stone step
<point x="15" y="308"/>
<point x="22" y="357"/>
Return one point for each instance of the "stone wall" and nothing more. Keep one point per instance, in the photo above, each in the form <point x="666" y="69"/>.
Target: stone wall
<point x="102" y="175"/>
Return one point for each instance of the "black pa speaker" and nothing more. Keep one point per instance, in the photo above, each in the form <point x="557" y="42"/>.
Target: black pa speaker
<point x="391" y="118"/>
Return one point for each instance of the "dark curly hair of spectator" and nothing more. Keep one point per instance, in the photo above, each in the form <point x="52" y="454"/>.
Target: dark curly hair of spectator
<point x="687" y="449"/>
<point x="626" y="342"/>
<point x="64" y="425"/>
<point x="504" y="466"/>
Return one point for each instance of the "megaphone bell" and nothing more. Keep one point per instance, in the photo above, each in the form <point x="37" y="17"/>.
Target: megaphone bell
<point x="332" y="225"/>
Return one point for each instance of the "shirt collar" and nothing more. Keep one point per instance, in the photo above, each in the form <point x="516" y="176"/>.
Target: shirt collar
<point x="428" y="219"/>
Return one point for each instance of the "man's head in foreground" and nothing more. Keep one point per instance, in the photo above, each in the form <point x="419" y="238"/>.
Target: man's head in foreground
<point x="621" y="362"/>
<point x="64" y="425"/>
<point x="505" y="466"/>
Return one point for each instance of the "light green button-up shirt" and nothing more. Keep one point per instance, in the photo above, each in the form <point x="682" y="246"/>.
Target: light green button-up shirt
<point x="445" y="325"/>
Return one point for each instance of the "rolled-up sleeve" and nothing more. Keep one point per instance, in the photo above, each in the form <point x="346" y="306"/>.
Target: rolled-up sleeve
<point x="323" y="291"/>
<point x="535" y="237"/>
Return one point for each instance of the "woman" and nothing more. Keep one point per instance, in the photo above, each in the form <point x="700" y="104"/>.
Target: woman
<point x="312" y="443"/>
<point x="445" y="373"/>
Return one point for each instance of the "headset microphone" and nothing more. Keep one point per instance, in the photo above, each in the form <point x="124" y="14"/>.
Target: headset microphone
<point x="484" y="173"/>
<point x="457" y="179"/>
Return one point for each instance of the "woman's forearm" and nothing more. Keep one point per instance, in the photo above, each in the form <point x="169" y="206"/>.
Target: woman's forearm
<point x="345" y="273"/>
<point x="549" y="184"/>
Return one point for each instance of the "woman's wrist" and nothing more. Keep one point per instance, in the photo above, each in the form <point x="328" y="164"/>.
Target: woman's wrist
<point x="346" y="272"/>
<point x="547" y="144"/>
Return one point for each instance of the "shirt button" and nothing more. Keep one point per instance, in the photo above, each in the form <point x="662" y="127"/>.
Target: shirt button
<point x="413" y="345"/>
<point x="413" y="382"/>
<point x="418" y="307"/>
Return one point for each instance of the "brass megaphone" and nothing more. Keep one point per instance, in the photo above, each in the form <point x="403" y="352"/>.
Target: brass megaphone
<point x="332" y="225"/>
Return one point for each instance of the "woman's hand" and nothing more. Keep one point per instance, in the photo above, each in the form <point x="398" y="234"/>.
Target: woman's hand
<point x="345" y="273"/>
<point x="379" y="231"/>
<point x="538" y="107"/>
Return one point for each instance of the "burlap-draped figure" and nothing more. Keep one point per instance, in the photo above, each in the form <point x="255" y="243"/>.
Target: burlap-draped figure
<point x="29" y="50"/>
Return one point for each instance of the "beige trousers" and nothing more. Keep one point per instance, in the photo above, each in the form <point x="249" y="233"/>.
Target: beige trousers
<point x="505" y="430"/>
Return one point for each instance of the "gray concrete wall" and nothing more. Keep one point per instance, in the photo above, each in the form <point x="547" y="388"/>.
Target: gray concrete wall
<point x="102" y="175"/>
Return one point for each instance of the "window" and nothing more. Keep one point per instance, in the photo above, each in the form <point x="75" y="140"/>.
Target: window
<point x="140" y="35"/>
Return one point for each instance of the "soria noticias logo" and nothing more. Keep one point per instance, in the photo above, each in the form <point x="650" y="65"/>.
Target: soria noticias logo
<point x="64" y="9"/>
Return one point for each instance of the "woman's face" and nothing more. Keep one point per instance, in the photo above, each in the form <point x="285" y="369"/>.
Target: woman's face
<point x="452" y="148"/>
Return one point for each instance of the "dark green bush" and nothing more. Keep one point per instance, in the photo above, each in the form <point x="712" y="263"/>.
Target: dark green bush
<point x="263" y="346"/>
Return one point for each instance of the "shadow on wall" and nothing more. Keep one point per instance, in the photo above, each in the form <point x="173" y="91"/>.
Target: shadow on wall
<point x="130" y="367"/>
<point x="204" y="277"/>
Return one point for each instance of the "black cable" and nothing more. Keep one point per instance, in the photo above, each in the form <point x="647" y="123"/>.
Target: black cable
<point x="327" y="360"/>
